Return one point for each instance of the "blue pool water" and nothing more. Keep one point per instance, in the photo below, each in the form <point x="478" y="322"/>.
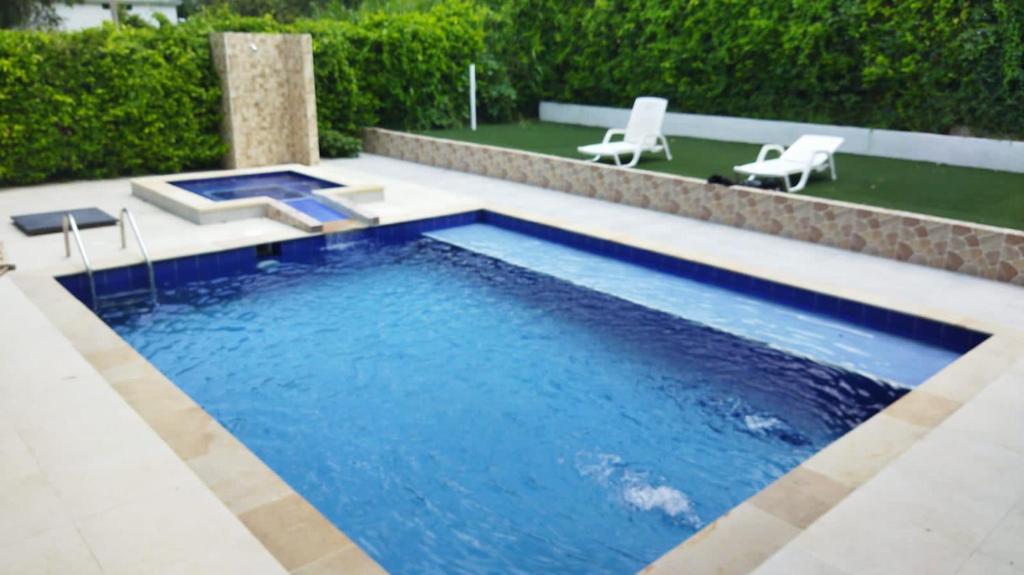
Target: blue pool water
<point x="896" y="359"/>
<point x="292" y="188"/>
<point x="455" y="413"/>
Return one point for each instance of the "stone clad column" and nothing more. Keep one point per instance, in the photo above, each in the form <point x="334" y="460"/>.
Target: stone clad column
<point x="269" y="98"/>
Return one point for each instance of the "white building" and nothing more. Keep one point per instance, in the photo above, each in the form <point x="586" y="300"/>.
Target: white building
<point x="88" y="13"/>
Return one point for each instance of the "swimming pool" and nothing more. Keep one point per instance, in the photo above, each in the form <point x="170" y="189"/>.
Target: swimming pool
<point x="454" y="411"/>
<point x="292" y="188"/>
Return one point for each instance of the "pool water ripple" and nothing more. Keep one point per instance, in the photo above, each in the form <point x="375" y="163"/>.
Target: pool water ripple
<point x="454" y="413"/>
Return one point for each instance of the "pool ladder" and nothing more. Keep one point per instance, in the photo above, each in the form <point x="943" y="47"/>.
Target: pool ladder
<point x="70" y="227"/>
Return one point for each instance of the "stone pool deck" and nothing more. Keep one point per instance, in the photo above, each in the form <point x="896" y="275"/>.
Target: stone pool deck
<point x="90" y="487"/>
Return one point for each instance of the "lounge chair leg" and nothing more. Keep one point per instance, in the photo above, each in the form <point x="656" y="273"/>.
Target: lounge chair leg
<point x="617" y="162"/>
<point x="664" y="143"/>
<point x="832" y="166"/>
<point x="635" y="160"/>
<point x="804" y="176"/>
<point x="594" y="159"/>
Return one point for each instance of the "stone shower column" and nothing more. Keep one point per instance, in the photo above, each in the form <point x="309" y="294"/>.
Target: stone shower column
<point x="269" y="98"/>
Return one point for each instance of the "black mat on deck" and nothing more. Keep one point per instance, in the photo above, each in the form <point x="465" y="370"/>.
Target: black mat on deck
<point x="50" y="222"/>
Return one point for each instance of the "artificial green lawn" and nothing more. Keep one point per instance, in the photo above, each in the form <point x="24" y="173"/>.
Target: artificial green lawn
<point x="985" y="196"/>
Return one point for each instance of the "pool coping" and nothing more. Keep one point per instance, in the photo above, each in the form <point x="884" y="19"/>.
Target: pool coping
<point x="350" y="191"/>
<point x="306" y="542"/>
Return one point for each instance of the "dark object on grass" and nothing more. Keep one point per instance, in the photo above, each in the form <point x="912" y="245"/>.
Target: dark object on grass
<point x="51" y="222"/>
<point x="721" y="180"/>
<point x="761" y="184"/>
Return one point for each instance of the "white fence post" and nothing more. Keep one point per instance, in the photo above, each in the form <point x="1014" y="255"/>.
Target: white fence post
<point x="472" y="97"/>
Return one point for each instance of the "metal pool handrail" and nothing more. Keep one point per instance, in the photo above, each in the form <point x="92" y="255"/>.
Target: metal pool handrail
<point x="68" y="221"/>
<point x="142" y="246"/>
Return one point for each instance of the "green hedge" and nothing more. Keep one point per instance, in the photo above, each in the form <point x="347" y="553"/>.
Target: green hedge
<point x="925" y="65"/>
<point x="106" y="102"/>
<point x="101" y="103"/>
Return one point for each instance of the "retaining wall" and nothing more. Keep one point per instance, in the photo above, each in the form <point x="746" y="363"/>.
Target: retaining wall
<point x="974" y="249"/>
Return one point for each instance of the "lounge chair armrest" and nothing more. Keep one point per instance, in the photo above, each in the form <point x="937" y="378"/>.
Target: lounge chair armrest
<point x="763" y="154"/>
<point x="612" y="132"/>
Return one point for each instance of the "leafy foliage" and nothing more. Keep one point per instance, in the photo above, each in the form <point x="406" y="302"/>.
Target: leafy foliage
<point x="281" y="10"/>
<point x="928" y="65"/>
<point x="28" y="14"/>
<point x="334" y="144"/>
<point x="106" y="102"/>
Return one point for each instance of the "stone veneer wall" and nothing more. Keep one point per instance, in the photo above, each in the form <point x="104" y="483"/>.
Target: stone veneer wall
<point x="269" y="98"/>
<point x="975" y="249"/>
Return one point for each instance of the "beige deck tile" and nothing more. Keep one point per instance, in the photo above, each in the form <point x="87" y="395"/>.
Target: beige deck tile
<point x="135" y="368"/>
<point x="939" y="500"/>
<point x="182" y="424"/>
<point x="871" y="536"/>
<point x="1006" y="542"/>
<point x="294" y="531"/>
<point x="98" y="465"/>
<point x="29" y="506"/>
<point x="736" y="543"/>
<point x="948" y="462"/>
<point x="907" y="497"/>
<point x="243" y="555"/>
<point x="99" y="425"/>
<point x="237" y="476"/>
<point x="80" y="326"/>
<point x="149" y="393"/>
<point x="867" y="545"/>
<point x="800" y="496"/>
<point x="15" y="458"/>
<point x="996" y="414"/>
<point x="114" y="478"/>
<point x="962" y="379"/>
<point x="188" y="431"/>
<point x="30" y="372"/>
<point x="922" y="408"/>
<point x="114" y="359"/>
<point x="56" y="552"/>
<point x="861" y="453"/>
<point x="793" y="561"/>
<point x="151" y="534"/>
<point x="981" y="564"/>
<point x="349" y="561"/>
<point x="54" y="391"/>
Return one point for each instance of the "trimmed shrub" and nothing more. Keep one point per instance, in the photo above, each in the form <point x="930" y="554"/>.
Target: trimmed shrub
<point x="334" y="144"/>
<point x="102" y="103"/>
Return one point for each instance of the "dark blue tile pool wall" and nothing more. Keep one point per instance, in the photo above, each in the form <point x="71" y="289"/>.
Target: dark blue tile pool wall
<point x="171" y="273"/>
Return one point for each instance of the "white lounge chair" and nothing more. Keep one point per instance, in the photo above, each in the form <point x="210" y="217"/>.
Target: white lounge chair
<point x="642" y="134"/>
<point x="806" y="154"/>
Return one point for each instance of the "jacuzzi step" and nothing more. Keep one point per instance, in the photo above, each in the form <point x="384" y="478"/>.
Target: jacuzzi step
<point x="318" y="210"/>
